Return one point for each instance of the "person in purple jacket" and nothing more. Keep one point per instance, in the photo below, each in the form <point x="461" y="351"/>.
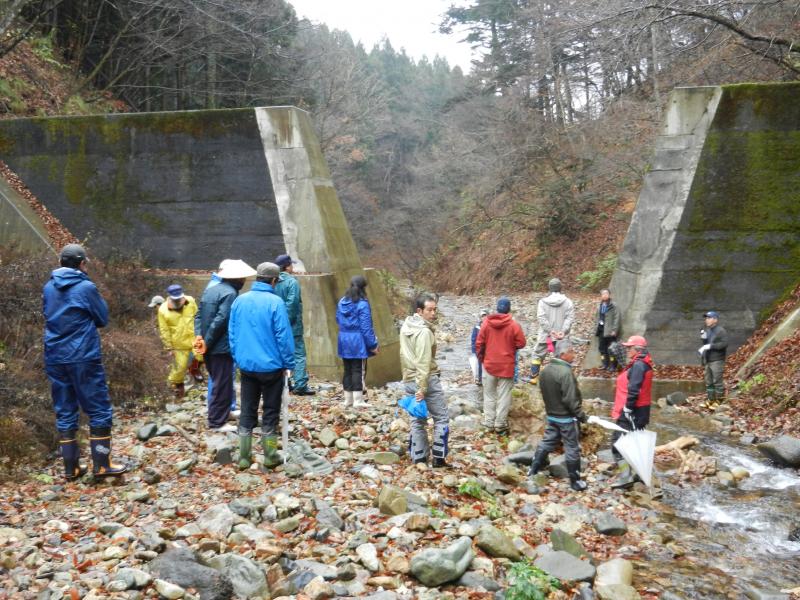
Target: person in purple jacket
<point x="357" y="341"/>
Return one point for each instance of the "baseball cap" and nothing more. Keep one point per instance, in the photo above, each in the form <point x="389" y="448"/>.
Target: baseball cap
<point x="73" y="252"/>
<point x="175" y="291"/>
<point x="504" y="305"/>
<point x="283" y="261"/>
<point x="156" y="301"/>
<point x="268" y="270"/>
<point x="636" y="340"/>
<point x="712" y="313"/>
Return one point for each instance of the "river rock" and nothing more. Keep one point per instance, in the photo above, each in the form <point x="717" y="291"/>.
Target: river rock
<point x="134" y="578"/>
<point x="561" y="540"/>
<point x="288" y="524"/>
<point x="327" y="516"/>
<point x="145" y="432"/>
<point x="181" y="567"/>
<point x="474" y="580"/>
<point x="368" y="555"/>
<point x="558" y="467"/>
<point x="754" y="593"/>
<point x="521" y="458"/>
<point x="748" y="438"/>
<point x="617" y="591"/>
<point x="247" y="576"/>
<point x="168" y="590"/>
<point x="217" y="520"/>
<point x="740" y="473"/>
<point x="566" y="567"/>
<point x="318" y="588"/>
<point x="794" y="535"/>
<point x="327" y="437"/>
<point x="726" y="479"/>
<point x="784" y="450"/>
<point x="418" y="522"/>
<point x="392" y="501"/>
<point x="398" y="563"/>
<point x="509" y="474"/>
<point x="435" y="566"/>
<point x="608" y="524"/>
<point x="382" y="458"/>
<point x="496" y="543"/>
<point x="614" y="572"/>
<point x="676" y="399"/>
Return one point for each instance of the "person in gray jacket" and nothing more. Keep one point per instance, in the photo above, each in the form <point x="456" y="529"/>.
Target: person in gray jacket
<point x="563" y="405"/>
<point x="712" y="354"/>
<point x="608" y="319"/>
<point x="555" y="314"/>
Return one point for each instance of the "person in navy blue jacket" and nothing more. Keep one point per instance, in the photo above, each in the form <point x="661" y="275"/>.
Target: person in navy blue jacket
<point x="262" y="346"/>
<point x="357" y="341"/>
<point x="73" y="310"/>
<point x="475" y="331"/>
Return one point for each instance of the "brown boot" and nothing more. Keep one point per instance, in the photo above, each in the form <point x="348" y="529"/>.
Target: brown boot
<point x="179" y="390"/>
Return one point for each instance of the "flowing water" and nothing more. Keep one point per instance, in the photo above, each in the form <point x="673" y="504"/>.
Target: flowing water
<point x="717" y="542"/>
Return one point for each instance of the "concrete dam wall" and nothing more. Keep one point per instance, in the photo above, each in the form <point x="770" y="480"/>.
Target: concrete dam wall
<point x="188" y="189"/>
<point x="717" y="224"/>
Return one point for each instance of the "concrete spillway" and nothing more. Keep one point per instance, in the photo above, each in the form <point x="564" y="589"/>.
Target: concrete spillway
<point x="717" y="224"/>
<point x="188" y="189"/>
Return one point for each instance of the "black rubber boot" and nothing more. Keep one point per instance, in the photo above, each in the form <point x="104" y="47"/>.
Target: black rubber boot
<point x="539" y="461"/>
<point x="604" y="359"/>
<point x="575" y="481"/>
<point x="100" y="442"/>
<point x="71" y="453"/>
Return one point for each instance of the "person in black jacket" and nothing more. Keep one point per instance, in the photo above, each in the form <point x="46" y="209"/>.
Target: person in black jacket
<point x="563" y="404"/>
<point x="712" y="355"/>
<point x="211" y="323"/>
<point x="608" y="319"/>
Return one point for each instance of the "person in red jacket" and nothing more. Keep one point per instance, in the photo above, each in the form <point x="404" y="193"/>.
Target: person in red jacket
<point x="632" y="399"/>
<point x="498" y="341"/>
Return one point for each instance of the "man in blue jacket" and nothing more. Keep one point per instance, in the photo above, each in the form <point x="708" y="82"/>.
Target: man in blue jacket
<point x="73" y="310"/>
<point x="263" y="347"/>
<point x="288" y="289"/>
<point x="211" y="323"/>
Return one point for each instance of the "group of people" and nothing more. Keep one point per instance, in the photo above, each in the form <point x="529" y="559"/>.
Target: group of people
<point x="260" y="332"/>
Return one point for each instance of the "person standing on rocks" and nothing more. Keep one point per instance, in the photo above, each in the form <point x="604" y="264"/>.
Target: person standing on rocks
<point x="712" y="355"/>
<point x="563" y="405"/>
<point x="262" y="344"/>
<point x="356" y="340"/>
<point x="176" y="328"/>
<point x="475" y="331"/>
<point x="632" y="398"/>
<point x="211" y="323"/>
<point x="288" y="289"/>
<point x="421" y="378"/>
<point x="555" y="314"/>
<point x="608" y="319"/>
<point x="73" y="311"/>
<point x="497" y="344"/>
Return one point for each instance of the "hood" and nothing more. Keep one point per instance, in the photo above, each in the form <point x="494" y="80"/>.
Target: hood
<point x="554" y="299"/>
<point x="413" y="325"/>
<point x="498" y="321"/>
<point x="347" y="307"/>
<point x="65" y="277"/>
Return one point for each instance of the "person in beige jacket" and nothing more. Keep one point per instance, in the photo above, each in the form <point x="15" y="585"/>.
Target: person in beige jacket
<point x="421" y="378"/>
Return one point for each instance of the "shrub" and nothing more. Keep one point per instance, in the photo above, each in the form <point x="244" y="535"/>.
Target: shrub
<point x="529" y="582"/>
<point x="601" y="276"/>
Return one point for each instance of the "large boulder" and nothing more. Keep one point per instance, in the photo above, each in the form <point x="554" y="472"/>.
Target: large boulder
<point x="496" y="543"/>
<point x="561" y="540"/>
<point x="435" y="566"/>
<point x="181" y="567"/>
<point x="562" y="565"/>
<point x="609" y="524"/>
<point x="614" y="572"/>
<point x="784" y="450"/>
<point x="247" y="576"/>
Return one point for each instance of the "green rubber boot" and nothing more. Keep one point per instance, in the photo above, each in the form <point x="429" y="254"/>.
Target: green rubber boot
<point x="271" y="457"/>
<point x="245" y="451"/>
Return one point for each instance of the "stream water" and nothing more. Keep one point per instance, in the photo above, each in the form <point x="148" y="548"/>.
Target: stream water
<point x="717" y="542"/>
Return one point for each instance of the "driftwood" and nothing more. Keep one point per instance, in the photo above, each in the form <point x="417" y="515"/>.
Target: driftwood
<point x="683" y="442"/>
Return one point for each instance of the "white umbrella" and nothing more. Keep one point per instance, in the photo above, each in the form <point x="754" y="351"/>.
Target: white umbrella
<point x="285" y="417"/>
<point x="638" y="448"/>
<point x="594" y="420"/>
<point x="473" y="365"/>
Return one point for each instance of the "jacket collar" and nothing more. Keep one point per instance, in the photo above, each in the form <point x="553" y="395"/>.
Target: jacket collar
<point x="260" y="286"/>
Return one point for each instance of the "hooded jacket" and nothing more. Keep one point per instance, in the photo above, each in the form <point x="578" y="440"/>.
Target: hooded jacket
<point x="211" y="320"/>
<point x="176" y="326"/>
<point x="560" y="391"/>
<point x="73" y="310"/>
<point x="418" y="351"/>
<point x="498" y="341"/>
<point x="288" y="289"/>
<point x="554" y="313"/>
<point x="634" y="385"/>
<point x="260" y="335"/>
<point x="356" y="335"/>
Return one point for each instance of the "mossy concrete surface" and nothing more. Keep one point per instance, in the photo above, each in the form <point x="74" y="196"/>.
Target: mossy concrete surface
<point x="717" y="225"/>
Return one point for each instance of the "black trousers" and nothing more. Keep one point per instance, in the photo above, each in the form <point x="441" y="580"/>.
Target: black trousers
<point x="255" y="388"/>
<point x="570" y="436"/>
<point x="604" y="342"/>
<point x="355" y="372"/>
<point x="220" y="369"/>
<point x="641" y="417"/>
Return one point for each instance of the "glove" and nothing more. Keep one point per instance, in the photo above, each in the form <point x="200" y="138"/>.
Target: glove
<point x="583" y="418"/>
<point x="199" y="345"/>
<point x="629" y="416"/>
<point x="703" y="349"/>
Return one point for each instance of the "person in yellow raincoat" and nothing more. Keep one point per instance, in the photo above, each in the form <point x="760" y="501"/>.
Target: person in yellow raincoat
<point x="176" y="328"/>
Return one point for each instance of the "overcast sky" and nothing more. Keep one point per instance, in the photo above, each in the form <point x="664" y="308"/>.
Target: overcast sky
<point x="409" y="24"/>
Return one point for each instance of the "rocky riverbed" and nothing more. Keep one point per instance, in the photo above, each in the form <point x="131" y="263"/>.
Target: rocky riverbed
<point x="348" y="516"/>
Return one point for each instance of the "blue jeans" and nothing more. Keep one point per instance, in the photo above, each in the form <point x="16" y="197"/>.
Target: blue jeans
<point x="80" y="386"/>
<point x="299" y="375"/>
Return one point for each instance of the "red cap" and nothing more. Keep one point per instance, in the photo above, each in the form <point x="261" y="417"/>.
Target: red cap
<point x="636" y="340"/>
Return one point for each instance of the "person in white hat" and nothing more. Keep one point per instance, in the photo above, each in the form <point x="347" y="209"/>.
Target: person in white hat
<point x="211" y="324"/>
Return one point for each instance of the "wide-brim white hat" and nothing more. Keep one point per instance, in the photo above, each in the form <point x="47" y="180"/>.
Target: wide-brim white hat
<point x="235" y="269"/>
